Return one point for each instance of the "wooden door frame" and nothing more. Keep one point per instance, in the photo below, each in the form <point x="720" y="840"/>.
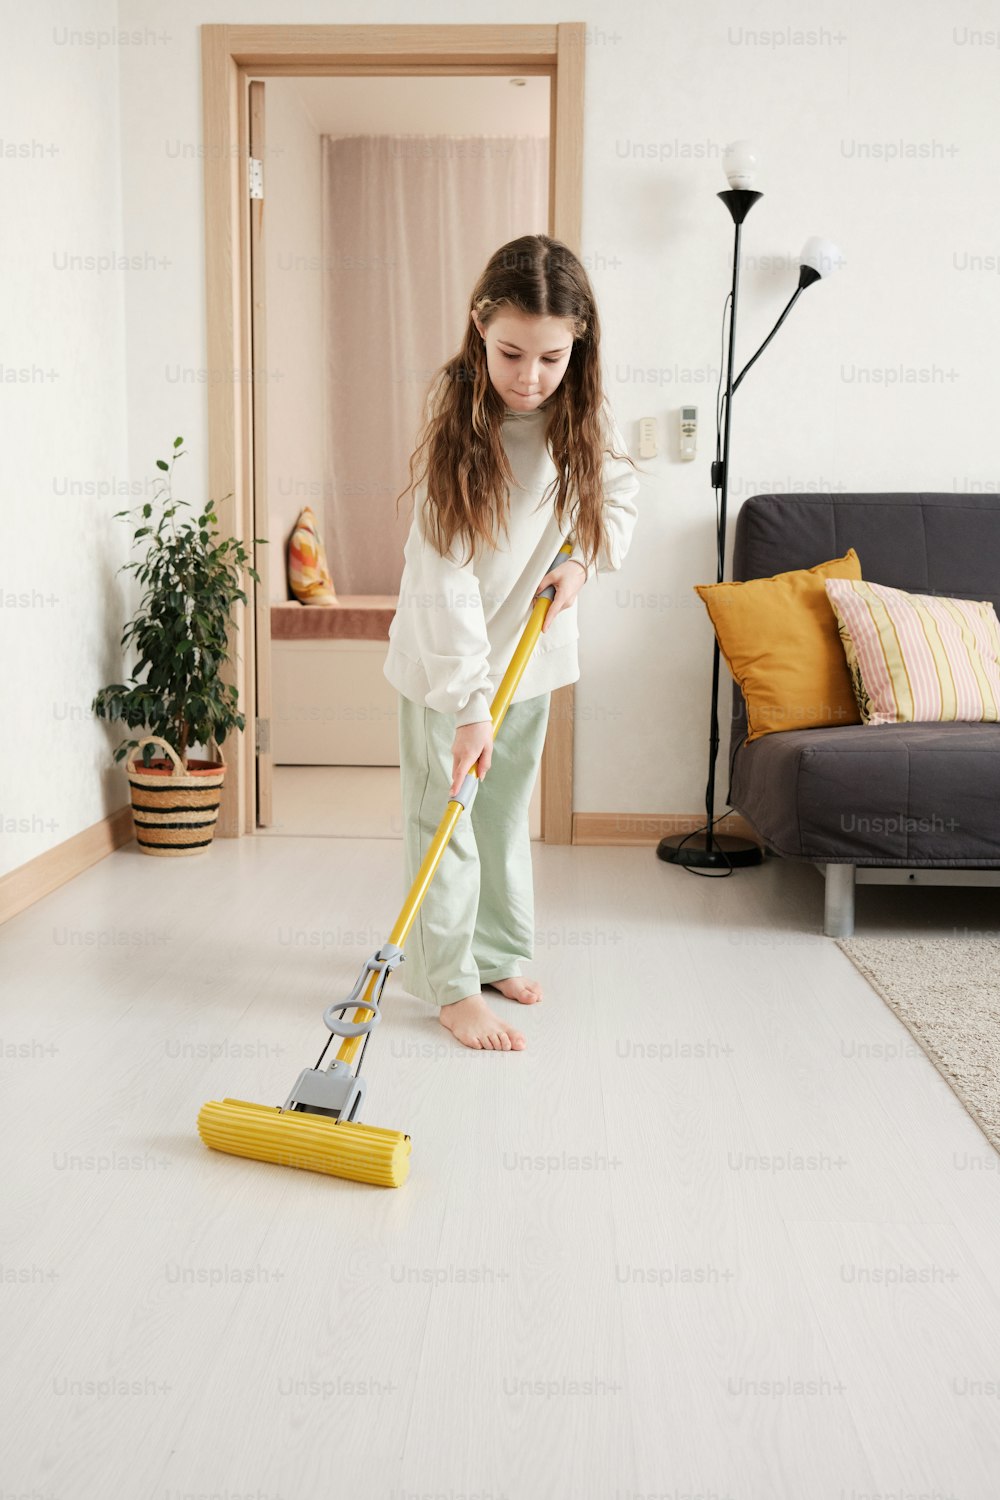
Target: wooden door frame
<point x="229" y="56"/>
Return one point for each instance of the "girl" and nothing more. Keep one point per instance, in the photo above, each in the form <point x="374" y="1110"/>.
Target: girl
<point x="517" y="429"/>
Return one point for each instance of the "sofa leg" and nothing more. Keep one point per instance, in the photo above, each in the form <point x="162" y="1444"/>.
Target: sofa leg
<point x="838" y="912"/>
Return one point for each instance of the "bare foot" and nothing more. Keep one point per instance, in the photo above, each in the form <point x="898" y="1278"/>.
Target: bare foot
<point x="472" y="1023"/>
<point x="526" y="991"/>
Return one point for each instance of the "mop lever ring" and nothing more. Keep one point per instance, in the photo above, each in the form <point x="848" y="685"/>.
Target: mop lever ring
<point x="389" y="956"/>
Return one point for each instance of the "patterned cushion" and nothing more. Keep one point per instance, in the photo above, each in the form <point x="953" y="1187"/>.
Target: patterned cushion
<point x="918" y="658"/>
<point x="308" y="575"/>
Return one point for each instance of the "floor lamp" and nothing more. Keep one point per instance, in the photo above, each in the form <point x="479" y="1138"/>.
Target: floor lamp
<point x="704" y="849"/>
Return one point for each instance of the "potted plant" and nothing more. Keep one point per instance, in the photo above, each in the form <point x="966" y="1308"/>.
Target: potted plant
<point x="180" y="631"/>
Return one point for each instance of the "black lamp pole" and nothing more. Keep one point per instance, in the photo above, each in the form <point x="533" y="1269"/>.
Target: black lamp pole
<point x="704" y="848"/>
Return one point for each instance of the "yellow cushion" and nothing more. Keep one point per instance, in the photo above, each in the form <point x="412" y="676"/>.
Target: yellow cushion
<point x="781" y="642"/>
<point x="308" y="575"/>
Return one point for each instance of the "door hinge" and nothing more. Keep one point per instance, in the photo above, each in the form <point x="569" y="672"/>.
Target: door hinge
<point x="256" y="178"/>
<point x="263" y="736"/>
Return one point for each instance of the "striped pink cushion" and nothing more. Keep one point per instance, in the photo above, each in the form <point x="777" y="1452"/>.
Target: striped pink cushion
<point x="916" y="657"/>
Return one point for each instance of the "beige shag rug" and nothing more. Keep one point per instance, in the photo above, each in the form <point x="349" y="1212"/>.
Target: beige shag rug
<point x="946" y="992"/>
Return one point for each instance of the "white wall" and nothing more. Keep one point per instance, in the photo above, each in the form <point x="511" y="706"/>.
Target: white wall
<point x="63" y="459"/>
<point x="296" y="407"/>
<point x="876" y="127"/>
<point x="429" y="105"/>
<point x="667" y="87"/>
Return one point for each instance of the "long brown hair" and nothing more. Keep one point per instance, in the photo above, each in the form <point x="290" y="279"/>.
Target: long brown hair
<point x="460" y="451"/>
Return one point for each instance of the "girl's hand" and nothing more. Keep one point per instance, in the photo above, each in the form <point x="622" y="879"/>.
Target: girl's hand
<point x="569" y="578"/>
<point x="473" y="747"/>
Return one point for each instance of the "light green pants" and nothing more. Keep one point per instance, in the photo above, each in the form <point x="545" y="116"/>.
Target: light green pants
<point x="476" y="921"/>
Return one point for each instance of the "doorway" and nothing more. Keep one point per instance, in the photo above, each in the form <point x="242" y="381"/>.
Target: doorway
<point x="383" y="199"/>
<point x="317" y="62"/>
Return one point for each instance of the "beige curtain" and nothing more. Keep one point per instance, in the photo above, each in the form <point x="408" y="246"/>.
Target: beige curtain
<point x="409" y="222"/>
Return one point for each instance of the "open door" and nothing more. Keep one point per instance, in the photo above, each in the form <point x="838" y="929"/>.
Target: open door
<point x="258" y="365"/>
<point x="232" y="56"/>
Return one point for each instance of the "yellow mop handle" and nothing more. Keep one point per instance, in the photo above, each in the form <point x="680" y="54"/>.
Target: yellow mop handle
<point x="446" y="827"/>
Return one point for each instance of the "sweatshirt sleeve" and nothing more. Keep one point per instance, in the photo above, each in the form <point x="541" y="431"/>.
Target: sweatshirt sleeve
<point x="449" y="624"/>
<point x="621" y="485"/>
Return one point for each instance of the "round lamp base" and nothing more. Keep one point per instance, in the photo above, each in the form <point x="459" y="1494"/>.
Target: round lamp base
<point x="726" y="851"/>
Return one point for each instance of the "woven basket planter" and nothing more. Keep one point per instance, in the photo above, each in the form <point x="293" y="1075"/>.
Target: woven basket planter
<point x="174" y="811"/>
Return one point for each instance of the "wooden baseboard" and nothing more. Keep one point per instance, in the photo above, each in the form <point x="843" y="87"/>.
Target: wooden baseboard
<point x="649" y="828"/>
<point x="47" y="872"/>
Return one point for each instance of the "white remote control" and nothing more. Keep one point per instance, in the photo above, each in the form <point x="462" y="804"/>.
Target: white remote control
<point x="689" y="431"/>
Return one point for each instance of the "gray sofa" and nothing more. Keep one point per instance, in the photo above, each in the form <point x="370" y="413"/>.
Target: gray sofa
<point x="866" y="802"/>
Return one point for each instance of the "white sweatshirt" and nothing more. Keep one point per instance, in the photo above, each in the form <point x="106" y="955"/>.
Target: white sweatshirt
<point x="456" y="628"/>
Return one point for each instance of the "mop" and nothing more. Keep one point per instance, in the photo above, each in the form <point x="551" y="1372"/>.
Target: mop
<point x="317" y="1126"/>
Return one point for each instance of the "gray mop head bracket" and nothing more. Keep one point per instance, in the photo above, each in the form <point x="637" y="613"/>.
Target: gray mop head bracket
<point x="335" y="1090"/>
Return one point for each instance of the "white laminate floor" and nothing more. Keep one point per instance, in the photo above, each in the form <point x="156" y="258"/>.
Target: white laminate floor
<point x="721" y="1231"/>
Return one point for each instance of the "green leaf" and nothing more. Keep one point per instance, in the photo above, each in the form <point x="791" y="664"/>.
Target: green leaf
<point x="178" y="640"/>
